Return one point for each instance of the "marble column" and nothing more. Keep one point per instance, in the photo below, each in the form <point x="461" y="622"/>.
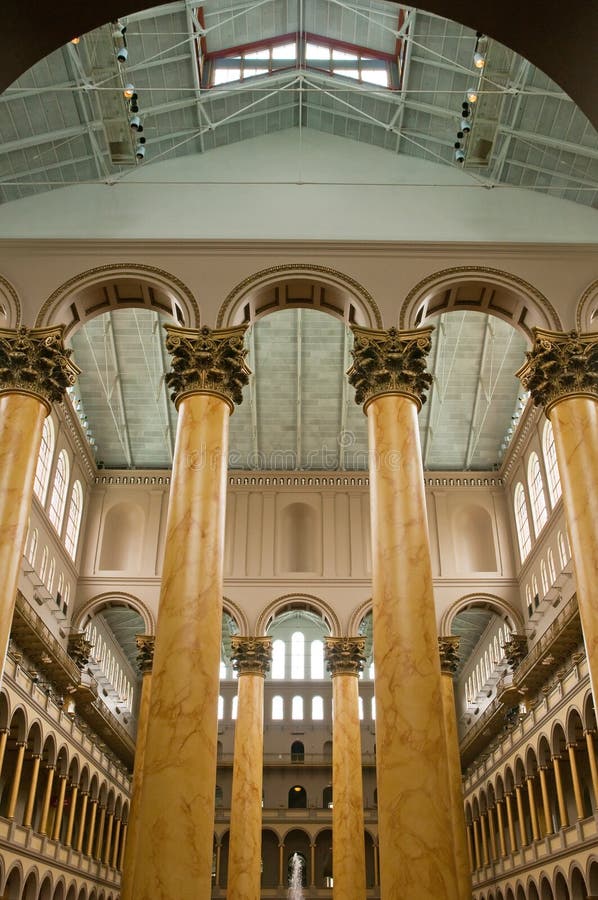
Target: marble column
<point x="43" y="824"/>
<point x="116" y="842"/>
<point x="589" y="736"/>
<point x="71" y="819"/>
<point x="576" y="782"/>
<point x="82" y="820"/>
<point x="561" y="373"/>
<point x="558" y="780"/>
<point x="545" y="799"/>
<point x="414" y="810"/>
<point x="520" y="815"/>
<point x="16" y="779"/>
<point x="145" y="658"/>
<point x="531" y="795"/>
<point x="35" y="370"/>
<point x="511" y="823"/>
<point x="173" y="856"/>
<point x="100" y="832"/>
<point x="108" y="839"/>
<point x="344" y="660"/>
<point x="4" y="732"/>
<point x="251" y="657"/>
<point x="448" y="646"/>
<point x="32" y="790"/>
<point x="501" y="828"/>
<point x="92" y="826"/>
<point x="123" y="844"/>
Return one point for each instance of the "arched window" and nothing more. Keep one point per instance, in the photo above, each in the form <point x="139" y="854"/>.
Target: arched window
<point x="317" y="709"/>
<point x="60" y="588"/>
<point x="563" y="554"/>
<point x="235" y="707"/>
<point x="536" y="492"/>
<point x="297" y="655"/>
<point x="522" y="522"/>
<point x="73" y="522"/>
<point x="297" y="751"/>
<point x="278" y="655"/>
<point x="535" y="590"/>
<point x="50" y="579"/>
<point x="297" y="708"/>
<point x="42" y="472"/>
<point x="277" y="709"/>
<point x="373" y="709"/>
<point x="66" y="598"/>
<point x="552" y="469"/>
<point x="372" y="671"/>
<point x="327" y="797"/>
<point x="317" y="659"/>
<point x="544" y="578"/>
<point x="58" y="499"/>
<point x="32" y="548"/>
<point x="43" y="565"/>
<point x="360" y="702"/>
<point x="220" y="707"/>
<point x="551" y="569"/>
<point x="297" y="797"/>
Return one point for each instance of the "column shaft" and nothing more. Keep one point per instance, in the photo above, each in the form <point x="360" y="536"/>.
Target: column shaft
<point x="100" y="834"/>
<point x="476" y="844"/>
<point x="82" y="818"/>
<point x="532" y="808"/>
<point x="71" y="819"/>
<point x="32" y="791"/>
<point x="3" y="738"/>
<point x="483" y="830"/>
<point x="59" y="808"/>
<point x="546" y="800"/>
<point x="115" y="843"/>
<point x="576" y="783"/>
<point x="501" y="828"/>
<point x="174" y="847"/>
<point x="348" y="848"/>
<point x="511" y="824"/>
<point x="245" y="848"/>
<point x="559" y="792"/>
<point x="92" y="825"/>
<point x="123" y="845"/>
<point x="522" y="828"/>
<point x="593" y="766"/>
<point x="492" y="834"/>
<point x="43" y="824"/>
<point x="16" y="780"/>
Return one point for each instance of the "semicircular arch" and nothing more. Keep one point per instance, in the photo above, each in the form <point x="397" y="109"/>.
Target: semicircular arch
<point x="298" y="601"/>
<point x="101" y="601"/>
<point x="489" y="601"/>
<point x="10" y="305"/>
<point x="358" y="615"/>
<point x="235" y="612"/>
<point x="586" y="314"/>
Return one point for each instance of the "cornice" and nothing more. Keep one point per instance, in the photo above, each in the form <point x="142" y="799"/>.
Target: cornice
<point x="85" y="457"/>
<point x="529" y="420"/>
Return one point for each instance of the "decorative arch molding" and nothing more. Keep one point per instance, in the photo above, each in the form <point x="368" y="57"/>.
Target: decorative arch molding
<point x="101" y="601"/>
<point x="491" y="291"/>
<point x="107" y="289"/>
<point x="236" y="613"/>
<point x="303" y="286"/>
<point x="298" y="601"/>
<point x="586" y="314"/>
<point x="10" y="305"/>
<point x="489" y="601"/>
<point x="357" y="617"/>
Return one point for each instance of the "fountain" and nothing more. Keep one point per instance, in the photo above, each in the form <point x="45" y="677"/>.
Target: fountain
<point x="296" y="882"/>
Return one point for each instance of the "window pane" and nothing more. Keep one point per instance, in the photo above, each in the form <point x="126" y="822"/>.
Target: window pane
<point x="317" y="709"/>
<point x="316" y="51"/>
<point x="223" y="76"/>
<point x="258" y="54"/>
<point x="536" y="489"/>
<point x="347" y="73"/>
<point x="285" y="51"/>
<point x="42" y="471"/>
<point x="278" y="654"/>
<point x="522" y="522"/>
<point x="554" y="479"/>
<point x="375" y="76"/>
<point x="297" y="708"/>
<point x="58" y="501"/>
<point x="297" y="655"/>
<point x="235" y="706"/>
<point x="73" y="523"/>
<point x="317" y="659"/>
<point x="277" y="708"/>
<point x="249" y="73"/>
<point x="340" y="54"/>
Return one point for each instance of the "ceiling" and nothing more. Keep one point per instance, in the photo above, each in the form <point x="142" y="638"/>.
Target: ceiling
<point x="298" y="410"/>
<point x="65" y="121"/>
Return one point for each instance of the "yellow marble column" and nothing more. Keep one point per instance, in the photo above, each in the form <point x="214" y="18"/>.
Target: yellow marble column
<point x="116" y="842"/>
<point x="16" y="780"/>
<point x="345" y="659"/>
<point x="32" y="790"/>
<point x="4" y="732"/>
<point x="448" y="646"/>
<point x="589" y="736"/>
<point x="501" y="827"/>
<point x="520" y="815"/>
<point x="575" y="779"/>
<point x="531" y="795"/>
<point x="35" y="370"/>
<point x="71" y="819"/>
<point x="173" y="856"/>
<point x="59" y="807"/>
<point x="561" y="373"/>
<point x="546" y="800"/>
<point x="511" y="823"/>
<point x="559" y="792"/>
<point x="414" y="810"/>
<point x="100" y="832"/>
<point x="251" y="658"/>
<point x="492" y="834"/>
<point x="123" y="844"/>
<point x="92" y="826"/>
<point x="43" y="824"/>
<point x="82" y="820"/>
<point x="108" y="839"/>
<point x="476" y="844"/>
<point x="145" y="658"/>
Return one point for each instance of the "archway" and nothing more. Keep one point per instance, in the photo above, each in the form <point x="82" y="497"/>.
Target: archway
<point x="297" y="797"/>
<point x="270" y="858"/>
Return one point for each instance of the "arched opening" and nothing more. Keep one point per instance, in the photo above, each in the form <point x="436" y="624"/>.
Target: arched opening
<point x="546" y="892"/>
<point x="270" y="853"/>
<point x="297" y="751"/>
<point x="324" y="873"/>
<point x="327" y="797"/>
<point x="12" y="890"/>
<point x="578" y="886"/>
<point x="561" y="890"/>
<point x="297" y="797"/>
<point x="30" y="887"/>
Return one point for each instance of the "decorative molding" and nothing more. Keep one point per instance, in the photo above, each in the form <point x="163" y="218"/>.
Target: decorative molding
<point x="279" y="479"/>
<point x="34" y="361"/>
<point x="74" y="426"/>
<point x="501" y="607"/>
<point x="390" y="362"/>
<point x="584" y="307"/>
<point x="515" y="650"/>
<point x="13" y="301"/>
<point x="448" y="648"/>
<point x="297" y="269"/>
<point x="560" y="365"/>
<point x="251" y="655"/>
<point x="92" y="276"/>
<point x="145" y="652"/>
<point x="79" y="648"/>
<point x="527" y="422"/>
<point x="344" y="655"/>
<point x="298" y="600"/>
<point x="207" y="361"/>
<point x="101" y="601"/>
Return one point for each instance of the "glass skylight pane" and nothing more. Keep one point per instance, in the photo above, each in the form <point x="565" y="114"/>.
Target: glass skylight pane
<point x="222" y="76"/>
<point x="347" y="73"/>
<point x="285" y="51"/>
<point x="340" y="54"/>
<point x="316" y="51"/>
<point x="248" y="73"/>
<point x="375" y="76"/>
<point x="259" y="54"/>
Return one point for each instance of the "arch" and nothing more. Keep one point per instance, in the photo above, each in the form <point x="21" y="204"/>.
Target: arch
<point x="490" y="602"/>
<point x="59" y="889"/>
<point x="110" y="599"/>
<point x="72" y="892"/>
<point x="298" y="601"/>
<point x="295" y="286"/>
<point x="73" y="520"/>
<point x="119" y="286"/>
<point x="358" y="615"/>
<point x="34" y="738"/>
<point x="482" y="289"/>
<point x="5" y="714"/>
<point x="535" y="485"/>
<point x="19" y="724"/>
<point x="297" y="798"/>
<point x="236" y="613"/>
<point x="586" y="314"/>
<point x="12" y="888"/>
<point x="122" y="537"/>
<point x="44" y="461"/>
<point x="30" y="886"/>
<point x="561" y="890"/>
<point x="270" y="852"/>
<point x="10" y="305"/>
<point x="578" y="884"/>
<point x="546" y="892"/>
<point x="297" y="751"/>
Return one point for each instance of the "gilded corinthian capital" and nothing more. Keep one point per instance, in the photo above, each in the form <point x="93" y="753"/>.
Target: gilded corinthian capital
<point x="448" y="647"/>
<point x="35" y="361"/>
<point x="345" y="655"/>
<point x="560" y="365"/>
<point x="145" y="652"/>
<point x="251" y="655"/>
<point x="207" y="361"/>
<point x="390" y="362"/>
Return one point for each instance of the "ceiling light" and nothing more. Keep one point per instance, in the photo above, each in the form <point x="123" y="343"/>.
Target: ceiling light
<point x="459" y="156"/>
<point x="479" y="60"/>
<point x="128" y="90"/>
<point x="472" y="95"/>
<point x="122" y="54"/>
<point x="140" y="152"/>
<point x="75" y="40"/>
<point x="135" y="123"/>
<point x="465" y="125"/>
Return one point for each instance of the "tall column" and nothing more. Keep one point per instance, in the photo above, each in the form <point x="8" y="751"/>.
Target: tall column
<point x="100" y="832"/>
<point x="16" y="780"/>
<point x="59" y="807"/>
<point x="92" y="825"/>
<point x="448" y="646"/>
<point x="531" y="796"/>
<point x="559" y="792"/>
<point x="546" y="800"/>
<point x="32" y="790"/>
<point x="82" y="819"/>
<point x="501" y="828"/>
<point x="71" y="819"/>
<point x="116" y="842"/>
<point x="345" y="659"/>
<point x="4" y="732"/>
<point x="251" y="658"/>
<point x="123" y="844"/>
<point x="520" y="815"/>
<point x="35" y="370"/>
<point x="510" y="822"/>
<point x="145" y="659"/>
<point x="589" y="735"/>
<point x="173" y="856"/>
<point x="576" y="783"/>
<point x="414" y="817"/>
<point x="561" y="373"/>
<point x="43" y="824"/>
<point x="108" y="839"/>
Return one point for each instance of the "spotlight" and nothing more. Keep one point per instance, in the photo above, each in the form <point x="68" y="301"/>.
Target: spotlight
<point x="479" y="60"/>
<point x="459" y="156"/>
<point x="465" y="125"/>
<point x="75" y="40"/>
<point x="140" y="152"/>
<point x="119" y="30"/>
<point x="460" y="134"/>
<point x="134" y="108"/>
<point x="472" y="95"/>
<point x="122" y="54"/>
<point x="135" y="123"/>
<point x="128" y="91"/>
<point x="457" y="145"/>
